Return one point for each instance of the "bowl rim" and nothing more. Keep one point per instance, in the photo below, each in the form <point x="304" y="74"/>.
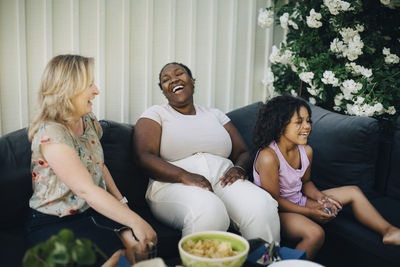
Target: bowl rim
<point x="221" y="233"/>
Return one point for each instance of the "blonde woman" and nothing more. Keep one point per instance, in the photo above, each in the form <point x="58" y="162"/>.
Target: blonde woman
<point x="72" y="188"/>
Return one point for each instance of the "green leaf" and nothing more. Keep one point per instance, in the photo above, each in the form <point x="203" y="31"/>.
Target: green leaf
<point x="59" y="254"/>
<point x="83" y="253"/>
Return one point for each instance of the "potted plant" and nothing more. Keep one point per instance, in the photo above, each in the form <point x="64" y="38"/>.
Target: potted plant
<point x="63" y="250"/>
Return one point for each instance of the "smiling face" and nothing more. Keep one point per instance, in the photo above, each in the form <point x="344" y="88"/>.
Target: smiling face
<point x="177" y="86"/>
<point x="82" y="102"/>
<point x="298" y="129"/>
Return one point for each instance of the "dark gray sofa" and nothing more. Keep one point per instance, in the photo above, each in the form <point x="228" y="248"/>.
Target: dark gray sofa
<point x="16" y="189"/>
<point x="347" y="150"/>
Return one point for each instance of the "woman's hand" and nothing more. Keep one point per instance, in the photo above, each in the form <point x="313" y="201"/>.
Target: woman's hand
<point x="140" y="242"/>
<point x="196" y="180"/>
<point x="232" y="175"/>
<point x="144" y="233"/>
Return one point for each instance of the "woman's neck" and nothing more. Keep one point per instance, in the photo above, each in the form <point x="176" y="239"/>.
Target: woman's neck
<point x="76" y="126"/>
<point x="186" y="110"/>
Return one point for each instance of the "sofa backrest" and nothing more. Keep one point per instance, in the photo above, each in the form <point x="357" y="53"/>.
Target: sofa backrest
<point x="117" y="142"/>
<point x="393" y="185"/>
<point x="345" y="149"/>
<point x="244" y="120"/>
<point x="15" y="178"/>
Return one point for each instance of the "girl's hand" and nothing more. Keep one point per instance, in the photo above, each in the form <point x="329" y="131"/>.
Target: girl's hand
<point x="232" y="175"/>
<point x="196" y="180"/>
<point x="320" y="216"/>
<point x="332" y="204"/>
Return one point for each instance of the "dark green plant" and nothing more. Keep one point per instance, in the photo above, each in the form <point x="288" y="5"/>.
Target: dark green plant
<point x="63" y="250"/>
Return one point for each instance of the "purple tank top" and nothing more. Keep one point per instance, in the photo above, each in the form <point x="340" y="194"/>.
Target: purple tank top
<point x="289" y="179"/>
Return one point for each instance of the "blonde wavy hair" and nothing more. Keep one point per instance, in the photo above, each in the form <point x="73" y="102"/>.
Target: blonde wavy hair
<point x="64" y="77"/>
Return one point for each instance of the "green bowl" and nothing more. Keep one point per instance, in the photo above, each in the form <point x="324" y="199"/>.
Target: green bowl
<point x="238" y="243"/>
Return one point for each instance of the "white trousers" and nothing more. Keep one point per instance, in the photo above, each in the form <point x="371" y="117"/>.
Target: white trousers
<point x="252" y="210"/>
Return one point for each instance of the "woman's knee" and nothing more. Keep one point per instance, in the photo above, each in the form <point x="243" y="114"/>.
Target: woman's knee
<point x="211" y="216"/>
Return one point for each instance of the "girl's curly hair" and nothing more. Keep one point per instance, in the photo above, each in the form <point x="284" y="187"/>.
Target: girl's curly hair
<point x="273" y="117"/>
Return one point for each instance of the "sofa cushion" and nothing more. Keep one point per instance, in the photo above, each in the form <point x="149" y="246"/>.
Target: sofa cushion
<point x="118" y="157"/>
<point x="244" y="120"/>
<point x="345" y="149"/>
<point x="366" y="245"/>
<point x="393" y="185"/>
<point x="15" y="178"/>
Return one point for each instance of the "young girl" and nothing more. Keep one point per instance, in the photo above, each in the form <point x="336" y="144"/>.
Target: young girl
<point x="282" y="167"/>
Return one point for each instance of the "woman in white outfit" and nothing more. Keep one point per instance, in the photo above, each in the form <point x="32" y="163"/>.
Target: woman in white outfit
<point x="197" y="162"/>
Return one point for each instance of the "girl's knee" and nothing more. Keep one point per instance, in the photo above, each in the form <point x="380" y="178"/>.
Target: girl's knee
<point x="316" y="234"/>
<point x="353" y="189"/>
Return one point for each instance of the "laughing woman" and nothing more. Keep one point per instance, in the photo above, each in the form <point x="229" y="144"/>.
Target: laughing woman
<point x="197" y="162"/>
<point x="72" y="188"/>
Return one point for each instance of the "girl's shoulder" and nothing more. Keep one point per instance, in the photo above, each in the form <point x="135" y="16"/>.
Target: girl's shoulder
<point x="309" y="151"/>
<point x="267" y="156"/>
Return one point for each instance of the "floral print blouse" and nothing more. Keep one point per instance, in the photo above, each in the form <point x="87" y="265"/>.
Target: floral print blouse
<point x="51" y="195"/>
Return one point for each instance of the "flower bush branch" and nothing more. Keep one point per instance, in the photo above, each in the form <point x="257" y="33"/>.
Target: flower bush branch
<point x="342" y="55"/>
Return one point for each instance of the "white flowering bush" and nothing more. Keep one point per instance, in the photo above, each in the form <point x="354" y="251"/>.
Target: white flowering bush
<point x="342" y="55"/>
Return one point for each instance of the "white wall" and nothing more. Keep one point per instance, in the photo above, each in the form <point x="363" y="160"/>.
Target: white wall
<point x="130" y="41"/>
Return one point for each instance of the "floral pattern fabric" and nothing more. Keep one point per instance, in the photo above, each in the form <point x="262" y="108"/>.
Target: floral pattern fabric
<point x="50" y="194"/>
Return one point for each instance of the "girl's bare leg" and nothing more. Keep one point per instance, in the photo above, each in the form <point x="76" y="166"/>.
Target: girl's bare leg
<point x="365" y="212"/>
<point x="298" y="227"/>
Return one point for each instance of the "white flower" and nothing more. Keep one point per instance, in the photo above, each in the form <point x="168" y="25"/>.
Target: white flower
<point x="338" y="99"/>
<point x="360" y="100"/>
<point x="313" y="90"/>
<point x="286" y="57"/>
<point x="360" y="28"/>
<point x="313" y="19"/>
<point x="312" y="100"/>
<point x="329" y="78"/>
<point x="350" y="47"/>
<point x="392" y="59"/>
<point x="348" y="34"/>
<point x="293" y="67"/>
<point x="293" y="92"/>
<point x="293" y="24"/>
<point x="386" y="51"/>
<point x="337" y="46"/>
<point x="359" y="70"/>
<point x="335" y="6"/>
<point x="284" y="20"/>
<point x="385" y="2"/>
<point x="391" y="110"/>
<point x="337" y="108"/>
<point x="350" y="87"/>
<point x="378" y="108"/>
<point x="274" y="57"/>
<point x="268" y="77"/>
<point x="306" y="77"/>
<point x="265" y="18"/>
